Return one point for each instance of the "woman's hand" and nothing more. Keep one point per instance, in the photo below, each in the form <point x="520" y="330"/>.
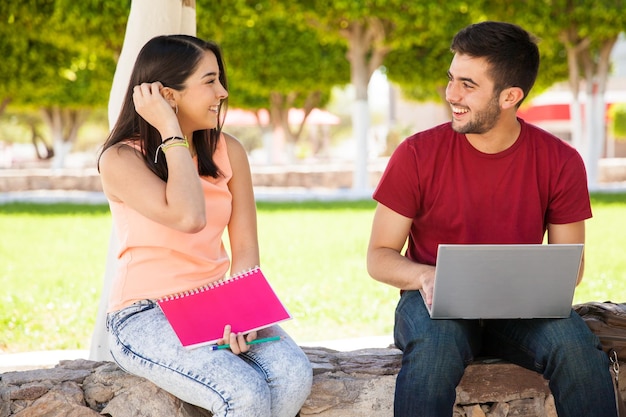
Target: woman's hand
<point x="155" y="109"/>
<point x="237" y="342"/>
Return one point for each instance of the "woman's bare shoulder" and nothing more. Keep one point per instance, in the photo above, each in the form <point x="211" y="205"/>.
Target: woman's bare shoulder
<point x="119" y="152"/>
<point x="236" y="150"/>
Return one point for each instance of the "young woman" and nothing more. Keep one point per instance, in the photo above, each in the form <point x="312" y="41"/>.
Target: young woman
<point x="175" y="183"/>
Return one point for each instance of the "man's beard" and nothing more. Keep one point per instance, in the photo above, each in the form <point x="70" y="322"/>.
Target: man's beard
<point x="483" y="120"/>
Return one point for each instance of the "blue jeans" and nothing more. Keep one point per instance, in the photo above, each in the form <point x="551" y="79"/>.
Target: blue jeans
<point x="272" y="379"/>
<point x="436" y="352"/>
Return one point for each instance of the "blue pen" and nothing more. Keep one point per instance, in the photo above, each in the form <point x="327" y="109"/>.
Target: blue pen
<point x="254" y="342"/>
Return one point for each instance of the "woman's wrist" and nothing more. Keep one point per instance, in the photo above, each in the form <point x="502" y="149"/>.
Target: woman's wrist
<point x="172" y="139"/>
<point x="167" y="143"/>
<point x="169" y="129"/>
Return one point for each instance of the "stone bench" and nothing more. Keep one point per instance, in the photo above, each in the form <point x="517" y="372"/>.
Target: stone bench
<point x="345" y="384"/>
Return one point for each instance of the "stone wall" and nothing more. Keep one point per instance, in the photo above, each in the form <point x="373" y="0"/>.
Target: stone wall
<point x="89" y="180"/>
<point x="345" y="384"/>
<point x="308" y="176"/>
<point x="45" y="179"/>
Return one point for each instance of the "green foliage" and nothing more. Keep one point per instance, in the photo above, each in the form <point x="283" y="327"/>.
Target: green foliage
<point x="419" y="64"/>
<point x="402" y="22"/>
<point x="63" y="52"/>
<point x="267" y="52"/>
<point x="617" y="114"/>
<point x="60" y="52"/>
<point x="20" y="60"/>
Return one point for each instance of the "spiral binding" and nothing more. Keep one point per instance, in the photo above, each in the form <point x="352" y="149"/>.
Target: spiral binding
<point x="209" y="286"/>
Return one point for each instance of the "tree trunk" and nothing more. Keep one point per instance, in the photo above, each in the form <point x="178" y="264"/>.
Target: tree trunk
<point x="286" y="136"/>
<point x="147" y="19"/>
<point x="597" y="111"/>
<point x="574" y="48"/>
<point x="311" y="102"/>
<point x="279" y="114"/>
<point x="588" y="137"/>
<point x="64" y="125"/>
<point x="365" y="57"/>
<point x="3" y="105"/>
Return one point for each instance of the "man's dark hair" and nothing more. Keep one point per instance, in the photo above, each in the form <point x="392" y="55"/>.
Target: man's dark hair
<point x="511" y="52"/>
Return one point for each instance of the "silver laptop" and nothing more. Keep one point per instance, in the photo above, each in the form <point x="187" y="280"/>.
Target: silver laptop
<point x="505" y="281"/>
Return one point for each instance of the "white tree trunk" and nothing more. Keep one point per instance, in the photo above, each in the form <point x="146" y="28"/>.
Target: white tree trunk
<point x="597" y="137"/>
<point x="360" y="126"/>
<point x="576" y="123"/>
<point x="63" y="124"/>
<point x="280" y="154"/>
<point x="364" y="59"/>
<point x="268" y="146"/>
<point x="588" y="134"/>
<point x="597" y="109"/>
<point x="147" y="19"/>
<point x="61" y="149"/>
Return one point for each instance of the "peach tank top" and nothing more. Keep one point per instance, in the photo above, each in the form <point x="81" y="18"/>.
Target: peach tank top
<point x="154" y="260"/>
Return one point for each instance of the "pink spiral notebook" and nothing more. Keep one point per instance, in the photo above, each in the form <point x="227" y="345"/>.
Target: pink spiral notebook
<point x="246" y="301"/>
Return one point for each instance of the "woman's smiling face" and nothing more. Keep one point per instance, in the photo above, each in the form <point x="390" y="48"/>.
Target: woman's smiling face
<point x="199" y="102"/>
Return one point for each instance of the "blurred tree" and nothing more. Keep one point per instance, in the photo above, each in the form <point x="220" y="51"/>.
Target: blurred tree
<point x="273" y="63"/>
<point x="583" y="33"/>
<point x="589" y="30"/>
<point x="576" y="46"/>
<point x="420" y="68"/>
<point x="371" y="30"/>
<point x="60" y="56"/>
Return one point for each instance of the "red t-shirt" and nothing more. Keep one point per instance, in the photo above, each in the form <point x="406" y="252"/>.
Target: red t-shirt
<point x="457" y="194"/>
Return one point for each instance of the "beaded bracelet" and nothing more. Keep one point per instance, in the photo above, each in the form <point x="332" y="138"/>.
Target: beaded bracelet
<point x="165" y="146"/>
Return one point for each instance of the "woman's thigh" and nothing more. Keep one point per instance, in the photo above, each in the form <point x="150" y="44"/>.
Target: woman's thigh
<point x="143" y="343"/>
<point x="285" y="368"/>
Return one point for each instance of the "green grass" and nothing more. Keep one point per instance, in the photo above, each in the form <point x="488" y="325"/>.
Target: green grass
<point x="52" y="263"/>
<point x="605" y="257"/>
<point x="51" y="268"/>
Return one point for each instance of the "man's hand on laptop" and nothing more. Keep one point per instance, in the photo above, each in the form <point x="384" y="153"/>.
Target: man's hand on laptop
<point x="427" y="279"/>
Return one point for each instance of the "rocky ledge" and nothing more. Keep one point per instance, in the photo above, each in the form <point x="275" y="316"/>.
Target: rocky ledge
<point x="346" y="384"/>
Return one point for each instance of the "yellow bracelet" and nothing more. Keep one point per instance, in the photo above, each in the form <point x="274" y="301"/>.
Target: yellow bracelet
<point x="164" y="147"/>
<point x="171" y="145"/>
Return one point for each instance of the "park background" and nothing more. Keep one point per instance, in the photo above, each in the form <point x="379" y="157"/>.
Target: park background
<point x="313" y="88"/>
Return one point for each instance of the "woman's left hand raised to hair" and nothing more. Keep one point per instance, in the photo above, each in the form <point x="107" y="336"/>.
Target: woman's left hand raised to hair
<point x="154" y="108"/>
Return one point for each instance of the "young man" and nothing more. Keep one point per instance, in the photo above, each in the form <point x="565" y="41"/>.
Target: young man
<point x="485" y="177"/>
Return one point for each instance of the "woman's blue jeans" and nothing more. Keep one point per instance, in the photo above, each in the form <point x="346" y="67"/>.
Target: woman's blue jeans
<point x="272" y="379"/>
<point x="436" y="352"/>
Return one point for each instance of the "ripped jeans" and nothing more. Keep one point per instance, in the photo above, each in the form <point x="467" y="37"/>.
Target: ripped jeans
<point x="271" y="379"/>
